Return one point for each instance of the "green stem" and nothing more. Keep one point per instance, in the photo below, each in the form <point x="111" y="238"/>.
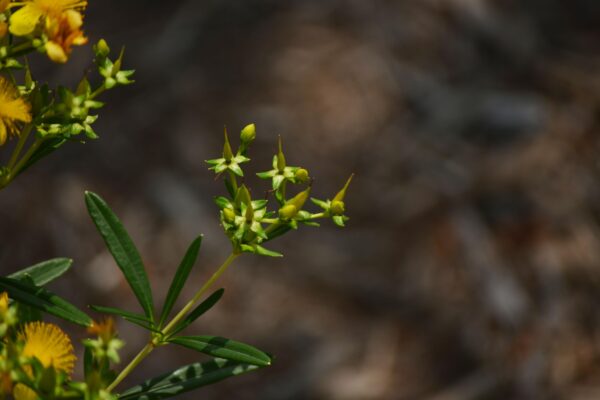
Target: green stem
<point x="190" y="305"/>
<point x="97" y="92"/>
<point x="132" y="365"/>
<point x="233" y="180"/>
<point x="22" y="140"/>
<point x="169" y="328"/>
<point x="26" y="158"/>
<point x="14" y="171"/>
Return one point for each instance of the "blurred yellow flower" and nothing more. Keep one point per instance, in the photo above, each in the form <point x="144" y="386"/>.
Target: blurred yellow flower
<point x="63" y="33"/>
<point x="24" y="20"/>
<point x="51" y="346"/>
<point x="3" y="303"/>
<point x="13" y="109"/>
<point x="4" y="5"/>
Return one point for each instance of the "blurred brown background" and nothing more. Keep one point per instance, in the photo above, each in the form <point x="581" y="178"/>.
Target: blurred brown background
<point x="471" y="265"/>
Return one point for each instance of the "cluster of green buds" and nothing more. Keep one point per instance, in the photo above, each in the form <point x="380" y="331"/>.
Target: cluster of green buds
<point x="48" y="118"/>
<point x="249" y="223"/>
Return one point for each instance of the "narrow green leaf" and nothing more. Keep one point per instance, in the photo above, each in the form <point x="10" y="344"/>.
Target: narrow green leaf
<point x="44" y="272"/>
<point x="185" y="379"/>
<point x="43" y="300"/>
<point x="134" y="318"/>
<point x="280" y="230"/>
<point x="266" y="252"/>
<point x="121" y="313"/>
<point x="181" y="276"/>
<point x="123" y="250"/>
<point x="199" y="310"/>
<point x="224" y="348"/>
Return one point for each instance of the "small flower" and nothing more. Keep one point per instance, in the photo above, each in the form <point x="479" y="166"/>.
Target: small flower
<point x="335" y="208"/>
<point x="229" y="161"/>
<point x="13" y="109"/>
<point x="25" y="20"/>
<point x="282" y="173"/>
<point x="63" y="33"/>
<point x="50" y="346"/>
<point x="107" y="345"/>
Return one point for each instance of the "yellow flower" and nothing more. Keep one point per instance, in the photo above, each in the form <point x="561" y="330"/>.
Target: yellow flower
<point x="3" y="303"/>
<point x="24" y="21"/>
<point x="13" y="109"/>
<point x="51" y="346"/>
<point x="64" y="33"/>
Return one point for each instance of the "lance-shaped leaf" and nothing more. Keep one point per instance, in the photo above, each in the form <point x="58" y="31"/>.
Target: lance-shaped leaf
<point x="186" y="378"/>
<point x="198" y="311"/>
<point x="134" y="318"/>
<point x="44" y="272"/>
<point x="43" y="300"/>
<point x="123" y="250"/>
<point x="181" y="276"/>
<point x="224" y="348"/>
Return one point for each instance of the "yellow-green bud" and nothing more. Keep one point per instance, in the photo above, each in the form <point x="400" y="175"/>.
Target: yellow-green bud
<point x="337" y="207"/>
<point x="280" y="157"/>
<point x="243" y="197"/>
<point x="249" y="212"/>
<point x="299" y="199"/>
<point x="288" y="211"/>
<point x="102" y="48"/>
<point x="301" y="175"/>
<point x="342" y="193"/>
<point x="227" y="153"/>
<point x="248" y="134"/>
<point x="228" y="215"/>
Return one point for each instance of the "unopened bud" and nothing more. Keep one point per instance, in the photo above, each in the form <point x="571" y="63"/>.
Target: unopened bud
<point x="288" y="211"/>
<point x="337" y="207"/>
<point x="280" y="157"/>
<point x="249" y="212"/>
<point x="342" y="193"/>
<point x="242" y="196"/>
<point x="228" y="215"/>
<point x="248" y="134"/>
<point x="102" y="48"/>
<point x="299" y="200"/>
<point x="227" y="153"/>
<point x="301" y="175"/>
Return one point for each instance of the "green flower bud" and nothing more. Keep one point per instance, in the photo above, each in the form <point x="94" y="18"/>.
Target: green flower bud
<point x="288" y="211"/>
<point x="298" y="200"/>
<point x="249" y="212"/>
<point x="227" y="153"/>
<point x="102" y="48"/>
<point x="280" y="157"/>
<point x="228" y="215"/>
<point x="248" y="134"/>
<point x="342" y="193"/>
<point x="243" y="197"/>
<point x="337" y="207"/>
<point x="301" y="175"/>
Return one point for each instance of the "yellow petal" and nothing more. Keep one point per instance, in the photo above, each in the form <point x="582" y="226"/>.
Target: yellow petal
<point x="24" y="20"/>
<point x="22" y="392"/>
<point x="74" y="19"/>
<point x="3" y="133"/>
<point x="56" y="53"/>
